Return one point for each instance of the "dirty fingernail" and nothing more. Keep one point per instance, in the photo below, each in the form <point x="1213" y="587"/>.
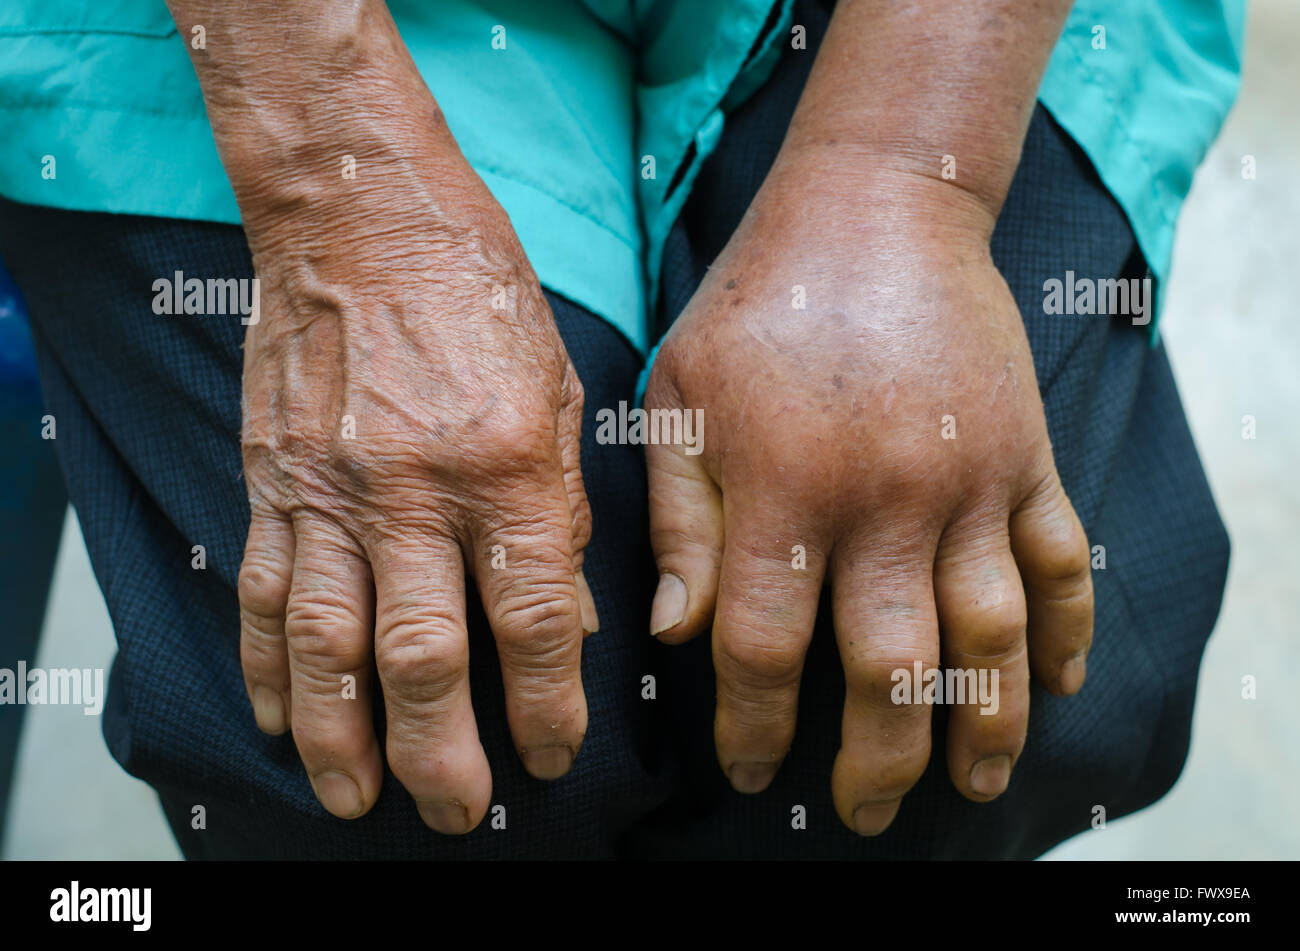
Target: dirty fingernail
<point x="989" y="776"/>
<point x="339" y="793"/>
<point x="448" y="816"/>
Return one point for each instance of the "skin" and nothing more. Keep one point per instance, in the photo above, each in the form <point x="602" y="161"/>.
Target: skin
<point x="402" y="299"/>
<point x="824" y="427"/>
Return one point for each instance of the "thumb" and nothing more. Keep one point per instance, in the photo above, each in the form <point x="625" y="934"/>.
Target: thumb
<point x="686" y="532"/>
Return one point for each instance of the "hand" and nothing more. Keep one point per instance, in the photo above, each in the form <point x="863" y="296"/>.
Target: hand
<point x="397" y="430"/>
<point x="825" y="428"/>
<point x="410" y="420"/>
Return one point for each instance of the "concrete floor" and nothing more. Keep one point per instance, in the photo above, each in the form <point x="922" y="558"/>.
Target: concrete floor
<point x="1233" y="330"/>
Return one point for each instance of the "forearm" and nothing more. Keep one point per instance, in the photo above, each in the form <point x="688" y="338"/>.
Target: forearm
<point x="900" y="86"/>
<point x="317" y="106"/>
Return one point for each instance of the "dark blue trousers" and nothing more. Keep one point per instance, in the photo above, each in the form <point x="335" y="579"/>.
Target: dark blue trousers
<point x="148" y="438"/>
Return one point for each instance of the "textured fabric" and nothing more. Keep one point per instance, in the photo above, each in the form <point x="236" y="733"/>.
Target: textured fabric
<point x="596" y="114"/>
<point x="148" y="410"/>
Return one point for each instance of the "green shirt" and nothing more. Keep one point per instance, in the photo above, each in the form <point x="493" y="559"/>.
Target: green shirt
<point x="580" y="115"/>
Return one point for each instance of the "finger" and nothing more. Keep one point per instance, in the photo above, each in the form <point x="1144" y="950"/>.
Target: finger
<point x="327" y="627"/>
<point x="686" y="533"/>
<point x="981" y="607"/>
<point x="1052" y="551"/>
<point x="767" y="605"/>
<point x="422" y="652"/>
<point x="887" y="631"/>
<point x="569" y="435"/>
<point x="264" y="581"/>
<point x="532" y="605"/>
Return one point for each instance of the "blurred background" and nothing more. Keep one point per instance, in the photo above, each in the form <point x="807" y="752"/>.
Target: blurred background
<point x="1232" y="325"/>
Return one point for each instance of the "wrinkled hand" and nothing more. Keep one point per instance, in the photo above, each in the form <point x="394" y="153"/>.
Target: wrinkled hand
<point x="411" y="418"/>
<point x="894" y="430"/>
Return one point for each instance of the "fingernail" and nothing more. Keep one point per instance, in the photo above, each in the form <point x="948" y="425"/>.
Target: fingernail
<point x="268" y="710"/>
<point x="989" y="776"/>
<point x="873" y="818"/>
<point x="587" y="605"/>
<point x="339" y="793"/>
<point x="1073" y="671"/>
<point x="548" y="762"/>
<point x="669" y="605"/>
<point x="751" y="777"/>
<point x="450" y="817"/>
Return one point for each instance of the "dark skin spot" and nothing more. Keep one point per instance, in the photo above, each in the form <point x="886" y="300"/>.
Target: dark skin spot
<point x="731" y="284"/>
<point x="354" y="476"/>
<point x="735" y="301"/>
<point x="837" y="382"/>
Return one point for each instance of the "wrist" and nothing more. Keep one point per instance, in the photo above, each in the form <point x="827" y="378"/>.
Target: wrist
<point x="852" y="189"/>
<point x="936" y="90"/>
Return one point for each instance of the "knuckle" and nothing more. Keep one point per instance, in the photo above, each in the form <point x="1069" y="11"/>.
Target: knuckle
<point x="1068" y="620"/>
<point x="260" y="654"/>
<point x="750" y="657"/>
<point x="263" y="587"/>
<point x="545" y="703"/>
<point x="522" y="452"/>
<point x="518" y="437"/>
<point x="540" y="536"/>
<point x="746" y="718"/>
<point x="686" y="538"/>
<point x="873" y="676"/>
<point x="424" y="652"/>
<point x="996" y="627"/>
<point x="1075" y="602"/>
<point x="325" y="634"/>
<point x="1066" y="558"/>
<point x="1061" y="552"/>
<point x="539" y="620"/>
